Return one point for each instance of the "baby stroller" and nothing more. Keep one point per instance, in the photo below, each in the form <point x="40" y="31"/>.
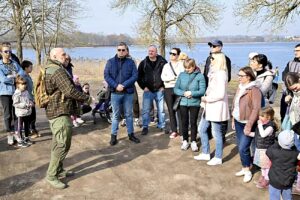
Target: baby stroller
<point x="103" y="107"/>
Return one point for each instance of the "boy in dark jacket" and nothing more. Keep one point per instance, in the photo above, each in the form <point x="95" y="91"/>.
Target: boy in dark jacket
<point x="284" y="157"/>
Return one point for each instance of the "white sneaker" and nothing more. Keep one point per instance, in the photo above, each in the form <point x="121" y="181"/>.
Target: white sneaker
<point x="185" y="145"/>
<point x="75" y="124"/>
<point x="240" y="173"/>
<point x="215" y="161"/>
<point x="194" y="146"/>
<point x="79" y="120"/>
<point x="202" y="156"/>
<point x="17" y="137"/>
<point x="247" y="177"/>
<point x="10" y="139"/>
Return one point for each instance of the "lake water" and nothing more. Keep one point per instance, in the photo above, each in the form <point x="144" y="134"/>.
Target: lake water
<point x="279" y="53"/>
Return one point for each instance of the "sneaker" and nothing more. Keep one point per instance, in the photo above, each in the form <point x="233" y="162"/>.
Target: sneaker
<point x="23" y="144"/>
<point x="240" y="173"/>
<point x="34" y="134"/>
<point x="56" y="183"/>
<point x="194" y="146"/>
<point x="10" y="139"/>
<point x="75" y="124"/>
<point x="185" y="145"/>
<point x="145" y="131"/>
<point x="79" y="120"/>
<point x="28" y="141"/>
<point x="214" y="161"/>
<point x="136" y="122"/>
<point x="17" y="137"/>
<point x="173" y="135"/>
<point x="202" y="156"/>
<point x="247" y="177"/>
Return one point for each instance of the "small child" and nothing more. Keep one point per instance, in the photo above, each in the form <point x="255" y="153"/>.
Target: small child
<point x="86" y="106"/>
<point x="284" y="157"/>
<point x="103" y="97"/>
<point x="264" y="138"/>
<point x="23" y="106"/>
<point x="77" y="121"/>
<point x="27" y="67"/>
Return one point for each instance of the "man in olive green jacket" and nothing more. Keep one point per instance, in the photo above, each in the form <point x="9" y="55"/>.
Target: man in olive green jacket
<point x="62" y="92"/>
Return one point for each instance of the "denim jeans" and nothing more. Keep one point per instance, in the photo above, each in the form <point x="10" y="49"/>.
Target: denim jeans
<point x="276" y="193"/>
<point x="243" y="141"/>
<point x="297" y="141"/>
<point x="216" y="129"/>
<point x="125" y="100"/>
<point x="148" y="98"/>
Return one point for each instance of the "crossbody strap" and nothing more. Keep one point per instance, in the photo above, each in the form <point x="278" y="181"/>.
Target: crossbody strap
<point x="173" y="69"/>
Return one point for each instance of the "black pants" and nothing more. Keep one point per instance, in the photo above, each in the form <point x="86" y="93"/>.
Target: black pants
<point x="33" y="119"/>
<point x="187" y="112"/>
<point x="86" y="108"/>
<point x="8" y="112"/>
<point x="19" y="124"/>
<point x="170" y="98"/>
<point x="283" y="106"/>
<point x="136" y="106"/>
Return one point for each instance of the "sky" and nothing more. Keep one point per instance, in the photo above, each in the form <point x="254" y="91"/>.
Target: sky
<point x="100" y="18"/>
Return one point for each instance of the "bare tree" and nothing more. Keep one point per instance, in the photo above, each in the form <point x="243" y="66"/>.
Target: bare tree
<point x="163" y="18"/>
<point x="14" y="17"/>
<point x="278" y="12"/>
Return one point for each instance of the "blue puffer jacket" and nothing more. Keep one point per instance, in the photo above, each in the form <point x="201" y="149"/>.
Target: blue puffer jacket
<point x="7" y="85"/>
<point x="121" y="71"/>
<point x="197" y="87"/>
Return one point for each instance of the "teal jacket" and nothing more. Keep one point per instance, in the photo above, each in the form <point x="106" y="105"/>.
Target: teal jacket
<point x="197" y="87"/>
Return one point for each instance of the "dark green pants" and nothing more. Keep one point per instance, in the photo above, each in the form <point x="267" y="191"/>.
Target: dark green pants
<point x="61" y="128"/>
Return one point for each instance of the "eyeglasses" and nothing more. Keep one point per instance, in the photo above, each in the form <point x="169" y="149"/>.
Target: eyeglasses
<point x="7" y="51"/>
<point x="123" y="50"/>
<point x="173" y="54"/>
<point x="241" y="76"/>
<point x="213" y="46"/>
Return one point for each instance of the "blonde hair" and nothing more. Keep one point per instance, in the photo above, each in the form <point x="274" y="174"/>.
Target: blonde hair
<point x="220" y="61"/>
<point x="189" y="63"/>
<point x="183" y="56"/>
<point x="269" y="113"/>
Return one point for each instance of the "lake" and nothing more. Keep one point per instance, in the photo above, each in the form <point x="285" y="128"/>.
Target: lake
<point x="279" y="53"/>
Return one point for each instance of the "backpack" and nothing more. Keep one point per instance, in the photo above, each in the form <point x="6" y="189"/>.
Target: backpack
<point x="41" y="97"/>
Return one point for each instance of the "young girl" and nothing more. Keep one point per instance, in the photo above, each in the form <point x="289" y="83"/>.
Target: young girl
<point x="77" y="121"/>
<point x="85" y="107"/>
<point x="23" y="108"/>
<point x="264" y="138"/>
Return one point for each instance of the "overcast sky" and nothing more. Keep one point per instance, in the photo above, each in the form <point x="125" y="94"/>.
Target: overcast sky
<point x="99" y="18"/>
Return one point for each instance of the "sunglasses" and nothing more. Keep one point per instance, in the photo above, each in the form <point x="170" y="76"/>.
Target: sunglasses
<point x="123" y="50"/>
<point x="173" y="54"/>
<point x="213" y="46"/>
<point x="241" y="76"/>
<point x="7" y="51"/>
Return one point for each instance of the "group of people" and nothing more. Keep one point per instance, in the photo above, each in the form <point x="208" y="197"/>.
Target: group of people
<point x="187" y="93"/>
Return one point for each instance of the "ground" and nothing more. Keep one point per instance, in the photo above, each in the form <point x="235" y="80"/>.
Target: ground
<point x="154" y="169"/>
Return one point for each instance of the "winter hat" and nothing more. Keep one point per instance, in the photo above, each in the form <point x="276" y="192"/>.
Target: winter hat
<point x="286" y="139"/>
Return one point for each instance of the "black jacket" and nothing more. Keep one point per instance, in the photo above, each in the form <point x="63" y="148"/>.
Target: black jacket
<point x="207" y="64"/>
<point x="283" y="170"/>
<point x="266" y="142"/>
<point x="151" y="77"/>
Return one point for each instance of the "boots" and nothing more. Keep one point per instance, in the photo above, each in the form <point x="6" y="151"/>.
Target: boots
<point x="113" y="140"/>
<point x="133" y="138"/>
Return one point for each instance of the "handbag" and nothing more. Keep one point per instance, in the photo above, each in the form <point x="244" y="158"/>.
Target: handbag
<point x="286" y="123"/>
<point x="176" y="103"/>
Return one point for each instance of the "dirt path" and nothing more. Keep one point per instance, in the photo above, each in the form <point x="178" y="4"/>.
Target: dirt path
<point x="154" y="169"/>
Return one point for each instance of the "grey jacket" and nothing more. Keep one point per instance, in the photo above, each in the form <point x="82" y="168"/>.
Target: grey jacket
<point x="22" y="103"/>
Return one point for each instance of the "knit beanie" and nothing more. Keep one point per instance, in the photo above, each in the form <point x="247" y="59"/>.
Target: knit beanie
<point x="286" y="139"/>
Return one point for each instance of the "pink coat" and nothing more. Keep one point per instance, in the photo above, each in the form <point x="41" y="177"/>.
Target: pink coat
<point x="216" y="107"/>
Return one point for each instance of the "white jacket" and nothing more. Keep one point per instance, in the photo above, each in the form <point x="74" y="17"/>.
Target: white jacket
<point x="22" y="103"/>
<point x="168" y="76"/>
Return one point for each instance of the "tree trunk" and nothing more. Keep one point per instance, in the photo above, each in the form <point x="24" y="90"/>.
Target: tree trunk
<point x="162" y="38"/>
<point x="19" y="43"/>
<point x="38" y="56"/>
